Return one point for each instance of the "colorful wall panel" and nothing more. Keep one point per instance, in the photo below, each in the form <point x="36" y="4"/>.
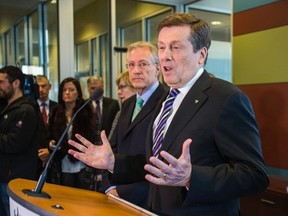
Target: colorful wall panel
<point x="260" y="69"/>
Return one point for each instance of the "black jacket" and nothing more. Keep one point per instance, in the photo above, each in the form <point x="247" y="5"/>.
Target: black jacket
<point x="21" y="132"/>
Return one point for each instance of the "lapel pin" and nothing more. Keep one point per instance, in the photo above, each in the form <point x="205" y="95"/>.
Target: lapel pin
<point x="196" y="101"/>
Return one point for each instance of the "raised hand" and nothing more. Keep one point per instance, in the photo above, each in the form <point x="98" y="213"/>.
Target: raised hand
<point x="97" y="156"/>
<point x="176" y="173"/>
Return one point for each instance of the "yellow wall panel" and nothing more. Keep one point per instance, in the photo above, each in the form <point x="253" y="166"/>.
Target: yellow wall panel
<point x="261" y="57"/>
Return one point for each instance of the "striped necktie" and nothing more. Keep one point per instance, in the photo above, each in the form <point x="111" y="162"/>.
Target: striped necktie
<point x="159" y="130"/>
<point x="138" y="106"/>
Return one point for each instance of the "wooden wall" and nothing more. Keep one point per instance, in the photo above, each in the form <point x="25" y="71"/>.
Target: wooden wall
<point x="270" y="103"/>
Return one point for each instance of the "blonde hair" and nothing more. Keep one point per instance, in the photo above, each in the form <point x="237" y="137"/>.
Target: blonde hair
<point x="123" y="76"/>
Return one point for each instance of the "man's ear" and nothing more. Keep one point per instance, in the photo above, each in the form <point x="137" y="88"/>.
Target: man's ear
<point x="158" y="68"/>
<point x="16" y="83"/>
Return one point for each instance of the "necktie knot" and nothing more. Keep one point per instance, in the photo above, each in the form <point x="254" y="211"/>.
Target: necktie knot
<point x="140" y="101"/>
<point x="174" y="92"/>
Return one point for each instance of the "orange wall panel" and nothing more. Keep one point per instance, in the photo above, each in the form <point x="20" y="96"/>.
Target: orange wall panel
<point x="261" y="18"/>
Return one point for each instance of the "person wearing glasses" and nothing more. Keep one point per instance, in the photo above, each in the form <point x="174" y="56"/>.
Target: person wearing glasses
<point x="130" y="132"/>
<point x="125" y="90"/>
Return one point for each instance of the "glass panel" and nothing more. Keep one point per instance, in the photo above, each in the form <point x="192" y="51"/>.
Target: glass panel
<point x="9" y="48"/>
<point x="20" y="44"/>
<point x="152" y="25"/>
<point x="83" y="63"/>
<point x="220" y="52"/>
<point x="51" y="47"/>
<point x="34" y="48"/>
<point x="91" y="26"/>
<point x="131" y="33"/>
<point x="104" y="62"/>
<point x="96" y="57"/>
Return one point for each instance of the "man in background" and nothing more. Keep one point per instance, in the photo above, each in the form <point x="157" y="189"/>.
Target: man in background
<point x="45" y="105"/>
<point x="136" y="113"/>
<point x="105" y="108"/>
<point x="21" y="131"/>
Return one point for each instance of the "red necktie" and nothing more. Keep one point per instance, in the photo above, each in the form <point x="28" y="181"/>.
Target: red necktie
<point x="44" y="114"/>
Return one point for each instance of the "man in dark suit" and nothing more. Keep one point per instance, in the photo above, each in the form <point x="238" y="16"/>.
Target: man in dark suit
<point x="129" y="134"/>
<point x="106" y="110"/>
<point x="46" y="106"/>
<point x="208" y="175"/>
<point x="108" y="107"/>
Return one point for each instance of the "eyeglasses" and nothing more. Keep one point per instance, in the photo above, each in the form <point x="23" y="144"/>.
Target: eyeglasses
<point x="121" y="87"/>
<point x="141" y="65"/>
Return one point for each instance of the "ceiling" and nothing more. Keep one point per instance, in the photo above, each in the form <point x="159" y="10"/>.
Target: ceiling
<point x="12" y="11"/>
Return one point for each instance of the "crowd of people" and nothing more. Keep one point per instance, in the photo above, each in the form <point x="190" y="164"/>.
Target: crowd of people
<point x="190" y="146"/>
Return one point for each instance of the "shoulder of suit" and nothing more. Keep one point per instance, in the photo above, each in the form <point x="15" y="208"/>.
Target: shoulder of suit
<point x="109" y="99"/>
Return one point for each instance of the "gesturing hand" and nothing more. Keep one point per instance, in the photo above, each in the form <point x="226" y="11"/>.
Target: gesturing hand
<point x="98" y="156"/>
<point x="177" y="173"/>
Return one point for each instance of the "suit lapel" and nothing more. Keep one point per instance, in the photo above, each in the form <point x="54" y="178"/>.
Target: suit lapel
<point x="128" y="115"/>
<point x="148" y="107"/>
<point x="192" y="102"/>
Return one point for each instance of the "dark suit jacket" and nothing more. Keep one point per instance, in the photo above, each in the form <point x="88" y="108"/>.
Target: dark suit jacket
<point x="44" y="145"/>
<point x="51" y="105"/>
<point x="129" y="138"/>
<point x="226" y="155"/>
<point x="109" y="111"/>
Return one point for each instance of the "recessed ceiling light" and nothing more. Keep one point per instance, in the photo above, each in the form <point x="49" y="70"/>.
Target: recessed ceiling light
<point x="216" y="23"/>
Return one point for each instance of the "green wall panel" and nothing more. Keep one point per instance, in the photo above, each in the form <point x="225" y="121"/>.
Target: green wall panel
<point x="261" y="57"/>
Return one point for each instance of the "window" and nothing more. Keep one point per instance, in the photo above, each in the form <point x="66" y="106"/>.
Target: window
<point x="34" y="41"/>
<point x="9" y="47"/>
<point x="220" y="51"/>
<point x="20" y="44"/>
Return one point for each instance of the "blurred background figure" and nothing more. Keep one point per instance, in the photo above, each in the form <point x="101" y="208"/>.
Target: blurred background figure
<point x="45" y="105"/>
<point x="105" y="108"/>
<point x="125" y="90"/>
<point x="66" y="170"/>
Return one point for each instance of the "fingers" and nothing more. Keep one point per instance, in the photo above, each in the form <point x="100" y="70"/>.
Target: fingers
<point x="186" y="149"/>
<point x="83" y="140"/>
<point x="155" y="169"/>
<point x="175" y="172"/>
<point x="104" y="138"/>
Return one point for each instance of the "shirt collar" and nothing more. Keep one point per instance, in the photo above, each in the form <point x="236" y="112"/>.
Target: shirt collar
<point x="148" y="93"/>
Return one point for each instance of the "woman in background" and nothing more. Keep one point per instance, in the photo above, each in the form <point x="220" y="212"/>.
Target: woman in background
<point x="125" y="90"/>
<point x="65" y="169"/>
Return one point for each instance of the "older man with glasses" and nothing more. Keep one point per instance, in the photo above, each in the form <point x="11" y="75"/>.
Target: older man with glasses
<point x="136" y="113"/>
